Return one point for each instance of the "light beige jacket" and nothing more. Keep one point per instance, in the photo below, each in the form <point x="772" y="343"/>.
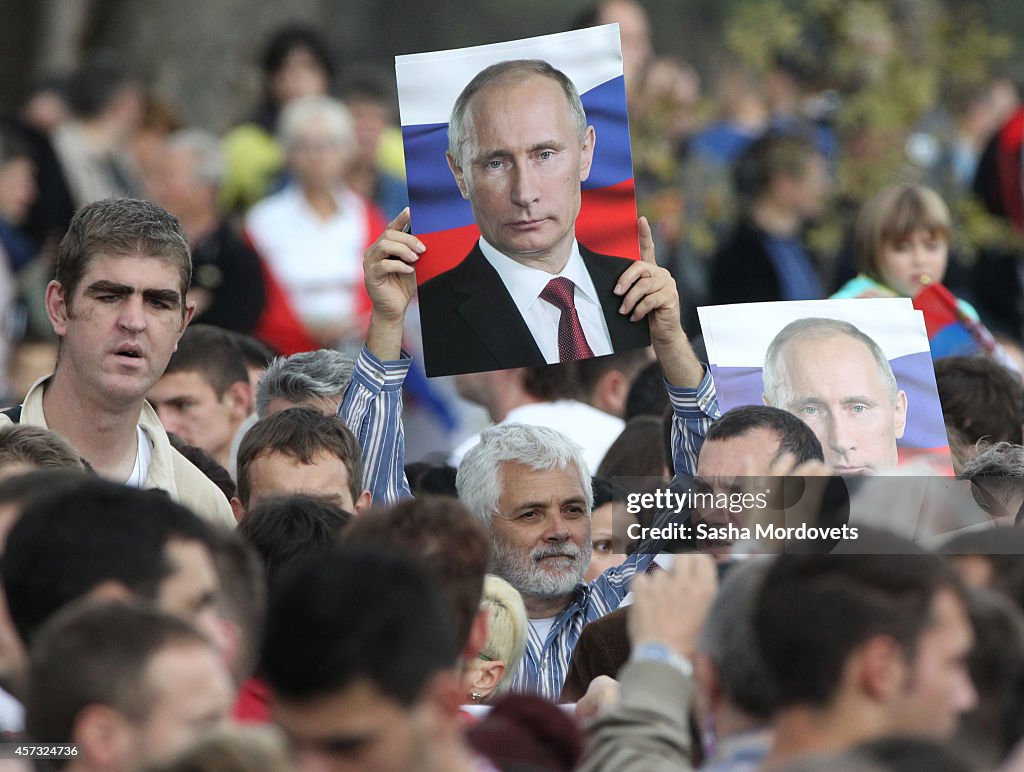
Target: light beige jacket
<point x="169" y="470"/>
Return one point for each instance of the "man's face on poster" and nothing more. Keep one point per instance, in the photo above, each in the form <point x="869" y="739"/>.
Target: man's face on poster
<point x="521" y="168"/>
<point x="835" y="385"/>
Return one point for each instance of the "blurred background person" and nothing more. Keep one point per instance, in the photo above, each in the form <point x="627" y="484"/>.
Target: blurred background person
<point x="296" y="63"/>
<point x="373" y="172"/>
<point x="313" y="232"/>
<point x="227" y="282"/>
<point x="784" y="185"/>
<point x="106" y="103"/>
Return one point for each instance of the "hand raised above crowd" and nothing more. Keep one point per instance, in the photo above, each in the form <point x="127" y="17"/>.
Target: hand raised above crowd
<point x="649" y="291"/>
<point x="391" y="284"/>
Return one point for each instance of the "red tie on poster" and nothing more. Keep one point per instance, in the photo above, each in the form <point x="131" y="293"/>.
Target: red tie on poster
<point x="572" y="343"/>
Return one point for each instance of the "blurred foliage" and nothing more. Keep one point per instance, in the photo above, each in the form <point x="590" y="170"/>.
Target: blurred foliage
<point x="898" y="75"/>
<point x="758" y="31"/>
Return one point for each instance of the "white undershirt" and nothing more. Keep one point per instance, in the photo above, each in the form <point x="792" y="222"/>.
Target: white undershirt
<point x="525" y="284"/>
<point x="143" y="458"/>
<point x="542" y="626"/>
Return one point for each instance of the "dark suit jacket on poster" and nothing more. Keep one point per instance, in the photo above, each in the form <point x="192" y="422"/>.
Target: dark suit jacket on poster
<point x="471" y="324"/>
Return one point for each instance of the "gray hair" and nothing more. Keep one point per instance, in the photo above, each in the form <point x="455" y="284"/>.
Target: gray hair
<point x="507" y="72"/>
<point x="999" y="469"/>
<point x="323" y="373"/>
<point x="727" y="638"/>
<point x="478" y="480"/>
<point x="1002" y="459"/>
<point x="205" y="146"/>
<point x="302" y="113"/>
<point x="820" y="328"/>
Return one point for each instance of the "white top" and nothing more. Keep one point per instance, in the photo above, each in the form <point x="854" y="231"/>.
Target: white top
<point x="12" y="713"/>
<point x="318" y="262"/>
<point x="525" y="285"/>
<point x="592" y="429"/>
<point x="542" y="626"/>
<point x="143" y="458"/>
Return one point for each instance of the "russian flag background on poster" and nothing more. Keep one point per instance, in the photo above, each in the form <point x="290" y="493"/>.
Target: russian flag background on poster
<point x="428" y="85"/>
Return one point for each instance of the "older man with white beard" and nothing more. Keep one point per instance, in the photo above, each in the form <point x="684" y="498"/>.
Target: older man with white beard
<point x="531" y="487"/>
<point x="529" y="484"/>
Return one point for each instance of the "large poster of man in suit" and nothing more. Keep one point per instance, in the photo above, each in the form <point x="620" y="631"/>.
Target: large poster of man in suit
<point x="520" y="186"/>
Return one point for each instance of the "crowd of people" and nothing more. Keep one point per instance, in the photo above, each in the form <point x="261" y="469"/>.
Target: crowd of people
<point x="217" y="553"/>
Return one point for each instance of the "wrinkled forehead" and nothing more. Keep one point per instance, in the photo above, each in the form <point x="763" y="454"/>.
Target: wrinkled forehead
<point x="139" y="269"/>
<point x="520" y="481"/>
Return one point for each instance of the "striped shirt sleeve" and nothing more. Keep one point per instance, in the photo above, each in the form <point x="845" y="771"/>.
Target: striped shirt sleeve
<point x="372" y="408"/>
<point x="693" y="410"/>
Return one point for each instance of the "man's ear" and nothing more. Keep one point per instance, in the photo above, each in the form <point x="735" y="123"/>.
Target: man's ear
<point x="103" y="736"/>
<point x="111" y="591"/>
<point x="57" y="308"/>
<point x="611" y="392"/>
<point x="363" y="502"/>
<point x="238" y="398"/>
<point x="458" y="174"/>
<point x="587" y="156"/>
<point x="900" y="415"/>
<point x="878" y="668"/>
<point x="190" y="311"/>
<point x="237" y="509"/>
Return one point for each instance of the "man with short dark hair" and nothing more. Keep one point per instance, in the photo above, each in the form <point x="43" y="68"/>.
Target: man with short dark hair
<point x="749" y="440"/>
<point x="118" y="307"/>
<point x="204" y="394"/>
<point x="607" y="381"/>
<point x="288" y="530"/>
<point x="106" y="106"/>
<point x="97" y="539"/>
<point x="860" y="646"/>
<point x="228" y="285"/>
<point x="752" y="440"/>
<point x="130" y="687"/>
<point x="441" y="536"/>
<point x="736" y="690"/>
<point x="783" y="182"/>
<point x="300" y="450"/>
<point x="981" y="401"/>
<point x="360" y="656"/>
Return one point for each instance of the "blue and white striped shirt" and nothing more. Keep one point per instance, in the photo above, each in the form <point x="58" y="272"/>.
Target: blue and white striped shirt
<point x="372" y="408"/>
